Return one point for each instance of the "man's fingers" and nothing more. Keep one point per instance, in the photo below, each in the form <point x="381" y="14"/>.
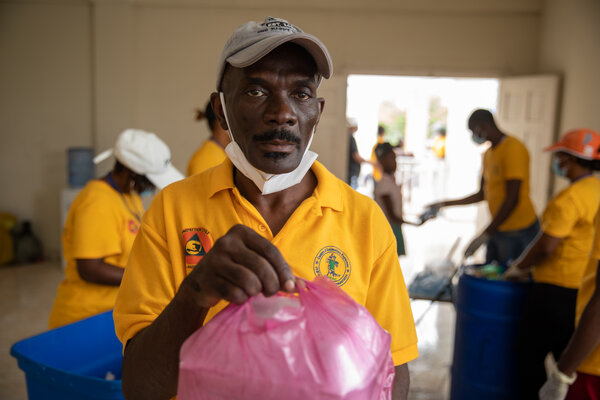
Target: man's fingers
<point x="272" y="255"/>
<point x="241" y="277"/>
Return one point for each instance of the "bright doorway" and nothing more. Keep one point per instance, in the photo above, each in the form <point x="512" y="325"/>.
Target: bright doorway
<point x="412" y="109"/>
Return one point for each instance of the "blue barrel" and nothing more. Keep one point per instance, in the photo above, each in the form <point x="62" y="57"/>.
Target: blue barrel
<point x="487" y="320"/>
<point x="73" y="362"/>
<point x="80" y="166"/>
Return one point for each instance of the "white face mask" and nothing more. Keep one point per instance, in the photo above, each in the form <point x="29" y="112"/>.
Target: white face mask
<point x="267" y="183"/>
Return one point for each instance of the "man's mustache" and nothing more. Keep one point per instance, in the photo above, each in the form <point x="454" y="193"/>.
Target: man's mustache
<point x="277" y="134"/>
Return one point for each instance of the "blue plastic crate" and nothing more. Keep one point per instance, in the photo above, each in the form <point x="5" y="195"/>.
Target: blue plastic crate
<point x="71" y="362"/>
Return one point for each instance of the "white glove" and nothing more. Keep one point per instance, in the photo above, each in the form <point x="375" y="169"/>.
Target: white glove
<point x="557" y="383"/>
<point x="476" y="243"/>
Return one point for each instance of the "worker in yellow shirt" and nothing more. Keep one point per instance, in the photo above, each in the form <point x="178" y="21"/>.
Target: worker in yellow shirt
<point x="253" y="223"/>
<point x="582" y="354"/>
<point x="505" y="188"/>
<point x="102" y="223"/>
<point x="439" y="143"/>
<point x="557" y="258"/>
<point x="212" y="151"/>
<point x="377" y="168"/>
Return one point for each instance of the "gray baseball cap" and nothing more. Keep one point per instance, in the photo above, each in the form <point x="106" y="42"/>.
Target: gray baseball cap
<point x="253" y="40"/>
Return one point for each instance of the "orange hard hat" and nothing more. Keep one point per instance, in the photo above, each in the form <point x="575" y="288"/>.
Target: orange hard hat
<point x="581" y="143"/>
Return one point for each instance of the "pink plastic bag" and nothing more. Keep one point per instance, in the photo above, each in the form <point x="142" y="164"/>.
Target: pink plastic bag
<point x="320" y="344"/>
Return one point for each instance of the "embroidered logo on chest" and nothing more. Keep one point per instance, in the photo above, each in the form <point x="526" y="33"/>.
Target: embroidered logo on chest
<point x="132" y="226"/>
<point x="331" y="262"/>
<point x="197" y="242"/>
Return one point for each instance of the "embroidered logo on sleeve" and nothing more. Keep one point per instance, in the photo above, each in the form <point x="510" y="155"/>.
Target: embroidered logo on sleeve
<point x="332" y="263"/>
<point x="197" y="242"/>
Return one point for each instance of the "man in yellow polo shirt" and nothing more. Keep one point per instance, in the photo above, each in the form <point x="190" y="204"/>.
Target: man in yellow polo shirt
<point x="102" y="223"/>
<point x="558" y="258"/>
<point x="251" y="224"/>
<point x="505" y="188"/>
<point x="212" y="151"/>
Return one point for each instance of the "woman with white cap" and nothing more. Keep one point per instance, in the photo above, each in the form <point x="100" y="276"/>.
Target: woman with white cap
<point x="557" y="258"/>
<point x="102" y="223"/>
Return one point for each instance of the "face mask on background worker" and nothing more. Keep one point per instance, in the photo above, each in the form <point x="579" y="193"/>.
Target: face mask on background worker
<point x="557" y="169"/>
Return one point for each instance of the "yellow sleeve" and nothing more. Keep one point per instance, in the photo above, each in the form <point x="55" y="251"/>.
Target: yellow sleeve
<point x="516" y="161"/>
<point x="148" y="284"/>
<point x="560" y="216"/>
<point x="595" y="253"/>
<point x="388" y="302"/>
<point x="96" y="228"/>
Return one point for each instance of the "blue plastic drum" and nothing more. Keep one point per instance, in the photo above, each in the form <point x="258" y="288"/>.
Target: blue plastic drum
<point x="80" y="166"/>
<point x="487" y="319"/>
<point x="73" y="362"/>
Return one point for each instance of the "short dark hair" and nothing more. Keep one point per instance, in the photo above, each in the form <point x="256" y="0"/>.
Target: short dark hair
<point x="382" y="149"/>
<point x="209" y="114"/>
<point x="481" y="116"/>
<point x="380" y="130"/>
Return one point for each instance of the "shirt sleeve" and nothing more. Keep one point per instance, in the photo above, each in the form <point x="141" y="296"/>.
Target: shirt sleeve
<point x="516" y="162"/>
<point x="388" y="302"/>
<point x="353" y="146"/>
<point x="96" y="229"/>
<point x="149" y="283"/>
<point x="595" y="253"/>
<point x="560" y="216"/>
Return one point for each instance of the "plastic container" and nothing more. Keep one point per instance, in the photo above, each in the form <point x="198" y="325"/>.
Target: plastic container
<point x="80" y="166"/>
<point x="72" y="362"/>
<point x="487" y="319"/>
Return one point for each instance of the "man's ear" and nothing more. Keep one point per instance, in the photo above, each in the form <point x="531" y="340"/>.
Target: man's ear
<point x="321" y="107"/>
<point x="215" y="102"/>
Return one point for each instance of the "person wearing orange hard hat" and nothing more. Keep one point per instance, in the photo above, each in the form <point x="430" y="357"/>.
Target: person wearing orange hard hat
<point x="557" y="260"/>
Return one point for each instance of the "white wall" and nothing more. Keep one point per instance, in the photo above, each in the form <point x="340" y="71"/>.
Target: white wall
<point x="44" y="107"/>
<point x="77" y="72"/>
<point x="570" y="46"/>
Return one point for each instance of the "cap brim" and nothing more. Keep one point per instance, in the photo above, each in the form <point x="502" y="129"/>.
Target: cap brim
<point x="317" y="50"/>
<point x="170" y="175"/>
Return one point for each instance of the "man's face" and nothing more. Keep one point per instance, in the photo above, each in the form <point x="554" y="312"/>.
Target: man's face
<point x="272" y="107"/>
<point x="479" y="131"/>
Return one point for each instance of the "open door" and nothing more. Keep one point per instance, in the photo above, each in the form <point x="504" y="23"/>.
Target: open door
<point x="527" y="108"/>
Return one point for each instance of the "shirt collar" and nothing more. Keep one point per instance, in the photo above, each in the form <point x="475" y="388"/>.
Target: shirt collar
<point x="328" y="192"/>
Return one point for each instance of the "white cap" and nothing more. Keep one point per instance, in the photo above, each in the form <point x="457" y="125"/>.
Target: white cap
<point x="145" y="154"/>
<point x="254" y="40"/>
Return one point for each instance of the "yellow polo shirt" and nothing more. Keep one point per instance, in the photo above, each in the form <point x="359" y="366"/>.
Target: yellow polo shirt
<point x="509" y="160"/>
<point x="570" y="216"/>
<point x="336" y="233"/>
<point x="207" y="156"/>
<point x="100" y="224"/>
<point x="591" y="365"/>
<point x="377" y="173"/>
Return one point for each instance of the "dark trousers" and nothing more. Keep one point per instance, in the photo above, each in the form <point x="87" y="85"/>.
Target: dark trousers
<point x="508" y="245"/>
<point x="547" y="325"/>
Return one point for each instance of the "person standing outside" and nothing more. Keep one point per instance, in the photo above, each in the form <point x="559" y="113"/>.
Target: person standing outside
<point x="258" y="220"/>
<point x="557" y="258"/>
<point x="377" y="169"/>
<point x="212" y="151"/>
<point x="388" y="194"/>
<point x="354" y="158"/>
<point x="102" y="223"/>
<point x="505" y="187"/>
